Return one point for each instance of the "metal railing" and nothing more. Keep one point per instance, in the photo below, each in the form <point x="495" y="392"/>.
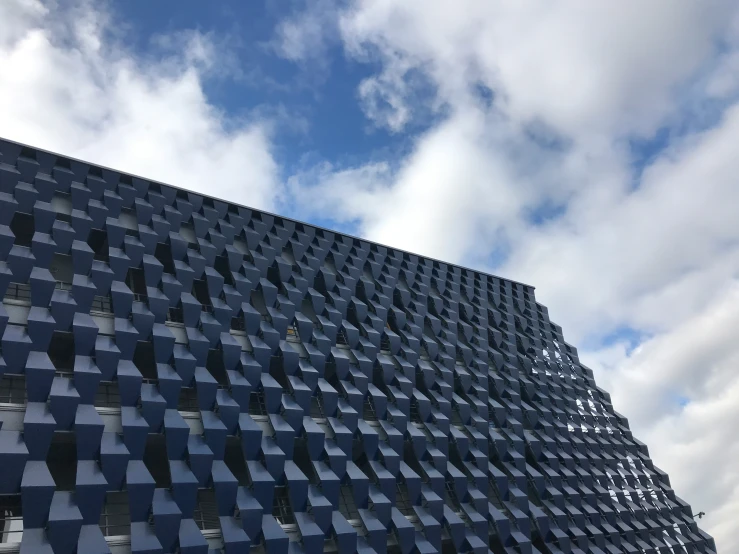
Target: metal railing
<point x="347" y="505"/>
<point x="206" y="511"/>
<point x="369" y="411"/>
<point x="316" y="407"/>
<point x="115" y="519"/>
<point x="281" y="509"/>
<point x="102" y="304"/>
<point x="18" y="291"/>
<point x="175" y="315"/>
<point x="108" y="395"/>
<point x="257" y="405"/>
<point x="13" y="389"/>
<point x="237" y="324"/>
<point x="402" y="502"/>
<point x="11" y="519"/>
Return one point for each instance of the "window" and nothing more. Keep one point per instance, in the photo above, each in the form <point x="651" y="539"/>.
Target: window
<point x="237" y="324"/>
<point x="281" y="509"/>
<point x="402" y="501"/>
<point x="137" y="283"/>
<point x="23" y="229"/>
<point x="415" y="414"/>
<point x="107" y="395"/>
<point x="115" y="519"/>
<point x="11" y="519"/>
<point x="369" y="410"/>
<point x="347" y="506"/>
<point x="13" y="389"/>
<point x="156" y="461"/>
<point x="145" y="362"/>
<point x="257" y="404"/>
<point x="206" y="511"/>
<point x="101" y="304"/>
<point x="19" y="292"/>
<point x="292" y="334"/>
<point x="200" y="292"/>
<point x="61" y="351"/>
<point x="316" y="406"/>
<point x="163" y="254"/>
<point x="98" y="243"/>
<point x="62" y="461"/>
<point x="188" y="401"/>
<point x="385" y="343"/>
<point x="175" y="315"/>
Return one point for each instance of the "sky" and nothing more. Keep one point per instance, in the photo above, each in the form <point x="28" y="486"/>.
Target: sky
<point x="586" y="148"/>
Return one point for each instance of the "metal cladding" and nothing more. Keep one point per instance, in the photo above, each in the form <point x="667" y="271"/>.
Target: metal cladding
<point x="181" y="374"/>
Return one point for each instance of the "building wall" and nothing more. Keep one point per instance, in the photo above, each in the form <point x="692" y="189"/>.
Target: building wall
<point x="179" y="372"/>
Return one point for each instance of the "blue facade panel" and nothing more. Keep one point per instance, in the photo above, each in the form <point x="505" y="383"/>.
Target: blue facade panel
<point x="182" y="374"/>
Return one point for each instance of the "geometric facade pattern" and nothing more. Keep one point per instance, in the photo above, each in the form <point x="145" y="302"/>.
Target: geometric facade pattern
<point x="182" y="374"/>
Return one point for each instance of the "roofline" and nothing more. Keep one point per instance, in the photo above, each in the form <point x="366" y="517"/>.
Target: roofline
<point x="265" y="212"/>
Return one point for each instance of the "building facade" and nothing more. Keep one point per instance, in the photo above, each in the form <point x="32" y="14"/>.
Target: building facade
<point x="182" y="374"/>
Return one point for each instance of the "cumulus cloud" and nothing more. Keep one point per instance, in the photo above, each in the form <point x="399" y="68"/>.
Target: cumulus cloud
<point x="537" y="107"/>
<point x="70" y="83"/>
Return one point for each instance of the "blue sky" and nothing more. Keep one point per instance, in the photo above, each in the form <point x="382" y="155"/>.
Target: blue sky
<point x="332" y="124"/>
<point x="587" y="149"/>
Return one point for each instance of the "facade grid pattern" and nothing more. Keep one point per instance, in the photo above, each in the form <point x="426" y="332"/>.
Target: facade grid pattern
<point x="194" y="375"/>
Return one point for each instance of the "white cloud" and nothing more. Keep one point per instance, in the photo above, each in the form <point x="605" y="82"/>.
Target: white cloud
<point x="306" y="34"/>
<point x="655" y="252"/>
<point x="69" y="84"/>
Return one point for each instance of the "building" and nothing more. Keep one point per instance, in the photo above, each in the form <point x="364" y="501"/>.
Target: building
<point x="182" y="374"/>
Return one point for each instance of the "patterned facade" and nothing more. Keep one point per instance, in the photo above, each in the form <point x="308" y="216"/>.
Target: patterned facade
<point x="182" y="374"/>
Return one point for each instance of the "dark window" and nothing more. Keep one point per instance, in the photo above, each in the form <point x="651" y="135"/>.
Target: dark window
<point x="115" y="519"/>
<point x="257" y="405"/>
<point x="163" y="253"/>
<point x="369" y="410"/>
<point x="137" y="283"/>
<point x="234" y="459"/>
<point x="107" y="395"/>
<point x="18" y="291"/>
<point x="23" y="229"/>
<point x="200" y="292"/>
<point x="188" y="401"/>
<point x="27" y="153"/>
<point x="143" y="359"/>
<point x="206" y="511"/>
<point x="402" y="501"/>
<point x="156" y="461"/>
<point x="62" y="461"/>
<point x="63" y="163"/>
<point x="347" y="505"/>
<point x="61" y="351"/>
<point x="11" y="519"/>
<point x="98" y="243"/>
<point x="316" y="406"/>
<point x="13" y="389"/>
<point x="215" y="366"/>
<point x="281" y="509"/>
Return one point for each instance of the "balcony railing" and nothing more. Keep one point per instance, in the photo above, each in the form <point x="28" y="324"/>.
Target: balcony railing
<point x="206" y="511"/>
<point x="281" y="509"/>
<point x="11" y="520"/>
<point x="115" y="519"/>
<point x="18" y="291"/>
<point x="102" y="304"/>
<point x="175" y="315"/>
<point x="292" y="334"/>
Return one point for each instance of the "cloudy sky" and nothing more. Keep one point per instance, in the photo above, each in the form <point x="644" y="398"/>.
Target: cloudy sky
<point x="590" y="149"/>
